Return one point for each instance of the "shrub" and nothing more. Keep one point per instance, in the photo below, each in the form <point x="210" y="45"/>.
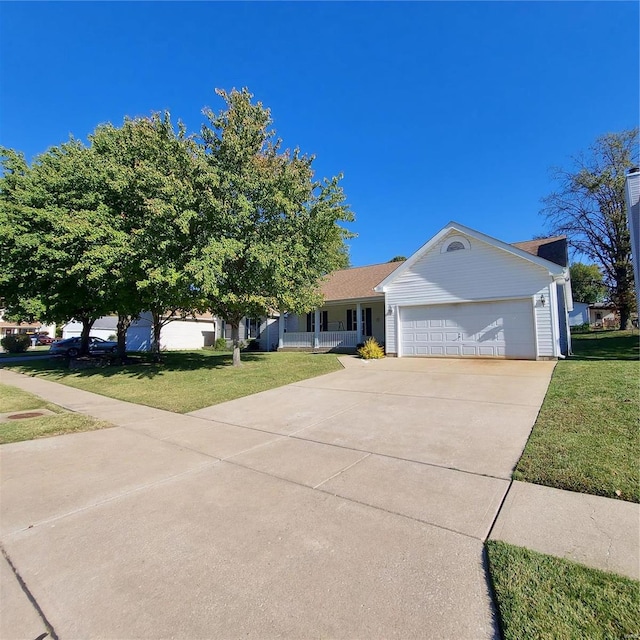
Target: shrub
<point x="16" y="343"/>
<point x="371" y="350"/>
<point x="220" y="345"/>
<point x="253" y="345"/>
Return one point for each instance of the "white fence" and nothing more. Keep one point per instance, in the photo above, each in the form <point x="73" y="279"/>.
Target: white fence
<point x="298" y="339"/>
<point x="326" y="339"/>
<point x="337" y="339"/>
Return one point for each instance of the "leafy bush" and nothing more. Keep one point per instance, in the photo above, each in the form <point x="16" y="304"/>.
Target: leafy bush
<point x="220" y="345"/>
<point x="16" y="343"/>
<point x="371" y="350"/>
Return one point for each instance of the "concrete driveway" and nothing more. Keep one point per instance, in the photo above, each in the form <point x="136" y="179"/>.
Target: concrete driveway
<point x="347" y="506"/>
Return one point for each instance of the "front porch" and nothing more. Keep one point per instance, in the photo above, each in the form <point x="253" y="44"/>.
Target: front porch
<point x="337" y="327"/>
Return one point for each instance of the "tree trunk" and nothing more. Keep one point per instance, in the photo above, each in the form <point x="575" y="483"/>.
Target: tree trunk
<point x="235" y="337"/>
<point x="124" y="322"/>
<point x="625" y="317"/>
<point x="87" y="323"/>
<point x="157" y="328"/>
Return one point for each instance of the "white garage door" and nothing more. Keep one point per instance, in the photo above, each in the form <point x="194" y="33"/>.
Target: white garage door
<point x="478" y="329"/>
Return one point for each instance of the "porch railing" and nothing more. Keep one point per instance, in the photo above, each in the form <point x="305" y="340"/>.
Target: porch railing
<point x="337" y="339"/>
<point x="298" y="339"/>
<point x="326" y="339"/>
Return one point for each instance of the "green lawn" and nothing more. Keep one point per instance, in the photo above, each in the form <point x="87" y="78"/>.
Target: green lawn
<point x="12" y="399"/>
<point x="586" y="437"/>
<point x="188" y="380"/>
<point x="542" y="597"/>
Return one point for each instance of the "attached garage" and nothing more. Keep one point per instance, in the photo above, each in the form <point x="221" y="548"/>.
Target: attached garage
<point x="467" y="295"/>
<point x="503" y="329"/>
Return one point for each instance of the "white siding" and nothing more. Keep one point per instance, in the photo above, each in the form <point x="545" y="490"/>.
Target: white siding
<point x="579" y="315"/>
<point x="479" y="273"/>
<point x="73" y="329"/>
<point x="185" y="334"/>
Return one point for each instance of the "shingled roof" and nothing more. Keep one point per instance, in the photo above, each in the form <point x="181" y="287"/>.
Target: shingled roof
<point x="552" y="249"/>
<point x="357" y="282"/>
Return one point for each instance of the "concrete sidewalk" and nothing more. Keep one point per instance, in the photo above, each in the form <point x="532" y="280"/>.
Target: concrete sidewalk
<point x="173" y="525"/>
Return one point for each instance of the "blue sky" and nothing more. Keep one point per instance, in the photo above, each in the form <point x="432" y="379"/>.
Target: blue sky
<point x="434" y="111"/>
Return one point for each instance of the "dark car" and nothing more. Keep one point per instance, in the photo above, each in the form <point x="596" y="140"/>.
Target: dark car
<point x="71" y="346"/>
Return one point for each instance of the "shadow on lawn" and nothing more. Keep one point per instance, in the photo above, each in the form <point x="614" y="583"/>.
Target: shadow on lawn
<point x="141" y="365"/>
<point x="606" y="345"/>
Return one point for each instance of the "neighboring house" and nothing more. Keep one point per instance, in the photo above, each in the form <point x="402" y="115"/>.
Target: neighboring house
<point x="579" y="315"/>
<point x="633" y="216"/>
<point x="602" y="314"/>
<point x="462" y="294"/>
<point x="184" y="333"/>
<point x="105" y="328"/>
<point x="8" y="328"/>
<point x="190" y="333"/>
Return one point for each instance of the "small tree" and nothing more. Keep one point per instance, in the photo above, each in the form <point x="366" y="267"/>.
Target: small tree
<point x="589" y="207"/>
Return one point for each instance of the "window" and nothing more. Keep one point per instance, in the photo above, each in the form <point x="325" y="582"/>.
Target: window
<point x="311" y="321"/>
<point x="365" y="318"/>
<point x="454" y="243"/>
<point x="252" y="328"/>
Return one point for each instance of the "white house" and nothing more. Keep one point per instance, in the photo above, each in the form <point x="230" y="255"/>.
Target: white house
<point x="462" y="294"/>
<point x="195" y="332"/>
<point x="188" y="333"/>
<point x="632" y="192"/>
<point x="579" y="315"/>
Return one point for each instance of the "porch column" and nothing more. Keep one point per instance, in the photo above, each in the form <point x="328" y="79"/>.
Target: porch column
<point x="358" y="323"/>
<point x="316" y="328"/>
<point x="281" y="330"/>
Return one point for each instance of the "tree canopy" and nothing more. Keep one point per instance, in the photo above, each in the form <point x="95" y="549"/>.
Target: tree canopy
<point x="148" y="218"/>
<point x="587" y="283"/>
<point x="54" y="228"/>
<point x="589" y="207"/>
<point x="268" y="230"/>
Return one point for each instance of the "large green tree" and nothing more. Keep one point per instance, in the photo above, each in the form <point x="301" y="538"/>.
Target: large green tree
<point x="589" y="207"/>
<point x="149" y="174"/>
<point x="587" y="283"/>
<point x="268" y="229"/>
<point x="54" y="228"/>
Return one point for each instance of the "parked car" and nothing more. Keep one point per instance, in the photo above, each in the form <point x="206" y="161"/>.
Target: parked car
<point x="38" y="339"/>
<point x="71" y="346"/>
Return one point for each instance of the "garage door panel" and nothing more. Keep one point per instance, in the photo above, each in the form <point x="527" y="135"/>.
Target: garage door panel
<point x="481" y="329"/>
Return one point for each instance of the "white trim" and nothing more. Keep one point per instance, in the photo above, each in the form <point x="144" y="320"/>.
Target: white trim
<point x="535" y="325"/>
<point x="553" y="307"/>
<point x="396" y="312"/>
<point x="551" y="267"/>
